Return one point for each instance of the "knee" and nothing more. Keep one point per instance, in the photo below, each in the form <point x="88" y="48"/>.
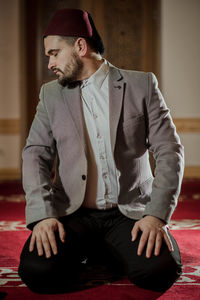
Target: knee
<point x="37" y="272"/>
<point x="35" y="275"/>
<point x="49" y="276"/>
<point x="157" y="277"/>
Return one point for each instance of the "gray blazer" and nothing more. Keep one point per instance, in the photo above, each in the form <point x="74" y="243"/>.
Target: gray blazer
<point x="140" y="122"/>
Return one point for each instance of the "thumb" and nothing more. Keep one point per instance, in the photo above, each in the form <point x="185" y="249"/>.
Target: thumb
<point x="135" y="231"/>
<point x="61" y="231"/>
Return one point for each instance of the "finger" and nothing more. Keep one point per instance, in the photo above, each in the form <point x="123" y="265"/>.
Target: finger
<point x="150" y="244"/>
<point x="159" y="238"/>
<point x="167" y="239"/>
<point x="46" y="245"/>
<point x="32" y="243"/>
<point x="39" y="245"/>
<point x="52" y="241"/>
<point x="61" y="231"/>
<point x="134" y="232"/>
<point x="143" y="242"/>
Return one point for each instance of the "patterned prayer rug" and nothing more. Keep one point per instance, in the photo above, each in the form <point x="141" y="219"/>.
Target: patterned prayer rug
<point x="101" y="285"/>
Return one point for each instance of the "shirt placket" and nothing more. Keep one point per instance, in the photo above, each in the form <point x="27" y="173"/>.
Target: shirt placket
<point x="100" y="129"/>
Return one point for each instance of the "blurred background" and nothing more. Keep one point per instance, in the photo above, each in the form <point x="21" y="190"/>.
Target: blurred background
<point x="161" y="36"/>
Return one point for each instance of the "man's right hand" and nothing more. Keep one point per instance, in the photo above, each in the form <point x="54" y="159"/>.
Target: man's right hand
<point x="43" y="236"/>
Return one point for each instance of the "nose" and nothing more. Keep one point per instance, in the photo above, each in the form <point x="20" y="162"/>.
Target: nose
<point x="51" y="63"/>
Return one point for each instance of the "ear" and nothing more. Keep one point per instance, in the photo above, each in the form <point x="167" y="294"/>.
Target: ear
<point x="81" y="46"/>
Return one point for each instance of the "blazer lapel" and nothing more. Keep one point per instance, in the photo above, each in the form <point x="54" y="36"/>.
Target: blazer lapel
<point x="72" y="99"/>
<point x="116" y="92"/>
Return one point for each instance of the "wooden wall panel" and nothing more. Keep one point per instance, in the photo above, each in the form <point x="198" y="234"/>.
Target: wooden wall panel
<point x="187" y="124"/>
<point x="9" y="126"/>
<point x="192" y="172"/>
<point x="123" y="22"/>
<point x="10" y="174"/>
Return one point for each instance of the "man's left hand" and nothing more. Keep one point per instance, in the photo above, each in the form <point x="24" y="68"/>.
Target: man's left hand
<point x="153" y="231"/>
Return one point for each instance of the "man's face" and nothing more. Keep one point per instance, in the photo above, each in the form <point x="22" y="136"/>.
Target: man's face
<point x="63" y="60"/>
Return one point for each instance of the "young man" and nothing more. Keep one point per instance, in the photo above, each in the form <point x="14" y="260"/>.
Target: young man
<point x="99" y="122"/>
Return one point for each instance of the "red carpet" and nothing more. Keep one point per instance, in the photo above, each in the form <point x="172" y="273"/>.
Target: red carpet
<point x="185" y="227"/>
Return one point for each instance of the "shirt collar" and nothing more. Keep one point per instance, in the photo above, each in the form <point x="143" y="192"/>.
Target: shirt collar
<point x="98" y="77"/>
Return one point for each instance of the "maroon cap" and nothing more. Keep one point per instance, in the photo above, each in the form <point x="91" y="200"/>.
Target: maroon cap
<point x="70" y="22"/>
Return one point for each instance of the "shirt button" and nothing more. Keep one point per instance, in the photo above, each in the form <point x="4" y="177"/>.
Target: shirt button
<point x="84" y="177"/>
<point x="98" y="136"/>
<point x="105" y="175"/>
<point x="101" y="157"/>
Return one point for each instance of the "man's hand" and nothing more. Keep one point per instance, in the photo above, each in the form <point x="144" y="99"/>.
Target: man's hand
<point x="44" y="236"/>
<point x="153" y="232"/>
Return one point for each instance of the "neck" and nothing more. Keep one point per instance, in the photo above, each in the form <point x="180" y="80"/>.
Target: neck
<point x="90" y="65"/>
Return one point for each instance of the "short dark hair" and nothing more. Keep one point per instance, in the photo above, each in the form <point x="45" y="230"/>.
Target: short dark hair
<point x="97" y="42"/>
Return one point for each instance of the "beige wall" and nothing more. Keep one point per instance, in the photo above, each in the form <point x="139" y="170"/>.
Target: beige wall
<point x="10" y="92"/>
<point x="180" y="71"/>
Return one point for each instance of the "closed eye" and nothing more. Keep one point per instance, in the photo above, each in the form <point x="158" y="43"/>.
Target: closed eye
<point x="53" y="52"/>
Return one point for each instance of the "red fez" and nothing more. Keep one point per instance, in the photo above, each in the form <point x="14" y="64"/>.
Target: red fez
<point x="70" y="22"/>
<point x="74" y="22"/>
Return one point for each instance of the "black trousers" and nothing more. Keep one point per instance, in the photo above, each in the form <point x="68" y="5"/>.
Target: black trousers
<point x="99" y="236"/>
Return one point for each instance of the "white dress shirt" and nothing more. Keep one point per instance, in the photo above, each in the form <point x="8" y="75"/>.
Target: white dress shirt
<point x="102" y="182"/>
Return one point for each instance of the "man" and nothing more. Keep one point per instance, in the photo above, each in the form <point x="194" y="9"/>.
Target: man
<point x="98" y="123"/>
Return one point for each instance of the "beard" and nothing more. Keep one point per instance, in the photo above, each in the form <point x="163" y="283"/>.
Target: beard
<point x="69" y="76"/>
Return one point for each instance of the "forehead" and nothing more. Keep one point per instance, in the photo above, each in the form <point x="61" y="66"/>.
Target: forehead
<point x="52" y="42"/>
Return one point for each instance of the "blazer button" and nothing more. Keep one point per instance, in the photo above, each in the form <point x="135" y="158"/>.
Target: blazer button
<point x="83" y="177"/>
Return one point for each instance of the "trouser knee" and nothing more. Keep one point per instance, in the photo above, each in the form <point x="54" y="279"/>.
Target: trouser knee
<point x="37" y="278"/>
<point x="47" y="279"/>
<point x="158" y="278"/>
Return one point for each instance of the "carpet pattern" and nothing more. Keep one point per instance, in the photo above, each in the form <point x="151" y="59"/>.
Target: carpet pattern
<point x="185" y="227"/>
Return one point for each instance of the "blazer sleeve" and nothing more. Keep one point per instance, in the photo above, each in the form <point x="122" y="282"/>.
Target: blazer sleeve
<point x="168" y="153"/>
<point x="38" y="158"/>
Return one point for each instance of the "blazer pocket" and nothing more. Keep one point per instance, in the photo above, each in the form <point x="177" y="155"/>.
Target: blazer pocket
<point x="132" y="136"/>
